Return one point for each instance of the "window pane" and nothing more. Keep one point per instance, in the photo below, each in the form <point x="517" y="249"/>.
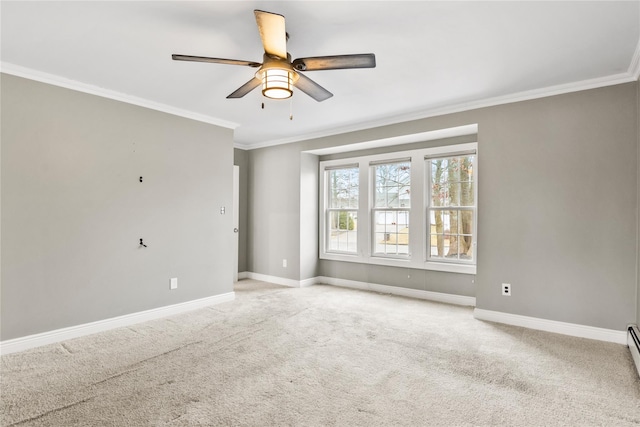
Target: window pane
<point x="393" y="185"/>
<point x="391" y="232"/>
<point x="451" y="234"/>
<point x="466" y="222"/>
<point x="343" y="226"/>
<point x="451" y="230"/>
<point x="343" y="188"/>
<point x="452" y="181"/>
<point x="453" y="198"/>
<point x="467" y="197"/>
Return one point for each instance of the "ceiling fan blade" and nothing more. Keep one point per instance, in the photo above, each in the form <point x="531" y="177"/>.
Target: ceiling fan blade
<point x="245" y="88"/>
<point x="312" y="88"/>
<point x="272" y="33"/>
<point x="337" y="62"/>
<point x="214" y="60"/>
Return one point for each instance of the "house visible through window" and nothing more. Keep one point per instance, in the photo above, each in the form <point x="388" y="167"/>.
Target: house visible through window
<point x="414" y="209"/>
<point x="392" y="202"/>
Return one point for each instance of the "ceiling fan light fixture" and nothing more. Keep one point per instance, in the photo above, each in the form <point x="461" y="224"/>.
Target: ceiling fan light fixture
<point x="277" y="83"/>
<point x="277" y="74"/>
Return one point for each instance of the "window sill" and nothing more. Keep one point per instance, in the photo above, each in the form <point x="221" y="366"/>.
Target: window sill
<point x="342" y="257"/>
<point x="450" y="267"/>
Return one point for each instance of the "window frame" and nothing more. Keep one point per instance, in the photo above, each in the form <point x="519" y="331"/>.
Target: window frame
<point x="418" y="247"/>
<point x="329" y="209"/>
<point x="473" y="208"/>
<point x="375" y="209"/>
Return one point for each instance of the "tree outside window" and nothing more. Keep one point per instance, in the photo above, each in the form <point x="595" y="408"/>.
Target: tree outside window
<point x="416" y="208"/>
<point x="452" y="207"/>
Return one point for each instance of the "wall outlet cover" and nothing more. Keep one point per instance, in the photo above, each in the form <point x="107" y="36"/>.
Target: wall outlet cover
<point x="174" y="283"/>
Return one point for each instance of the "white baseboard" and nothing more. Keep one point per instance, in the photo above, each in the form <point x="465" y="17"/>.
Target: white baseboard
<point x="572" y="329"/>
<point x="243" y="275"/>
<point x="308" y="282"/>
<point x="275" y="279"/>
<point x="384" y="289"/>
<point x="396" y="290"/>
<point x="50" y="337"/>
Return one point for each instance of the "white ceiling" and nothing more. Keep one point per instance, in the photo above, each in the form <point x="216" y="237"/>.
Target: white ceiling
<point x="432" y="57"/>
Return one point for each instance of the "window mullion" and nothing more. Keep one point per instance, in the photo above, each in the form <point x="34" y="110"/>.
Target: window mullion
<point x="364" y="204"/>
<point x="416" y="215"/>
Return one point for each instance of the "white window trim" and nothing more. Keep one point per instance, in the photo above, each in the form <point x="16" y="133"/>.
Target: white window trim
<point x="418" y="213"/>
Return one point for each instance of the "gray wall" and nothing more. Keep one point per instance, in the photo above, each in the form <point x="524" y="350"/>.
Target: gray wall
<point x="241" y="159"/>
<point x="274" y="211"/>
<point x="557" y="208"/>
<point x="309" y="205"/>
<point x="73" y="209"/>
<point x="556" y="218"/>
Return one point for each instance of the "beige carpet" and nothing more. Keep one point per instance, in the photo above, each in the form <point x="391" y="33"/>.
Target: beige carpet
<point x="321" y="356"/>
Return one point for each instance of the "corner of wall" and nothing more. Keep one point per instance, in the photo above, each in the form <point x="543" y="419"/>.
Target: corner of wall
<point x="308" y="215"/>
<point x="638" y="203"/>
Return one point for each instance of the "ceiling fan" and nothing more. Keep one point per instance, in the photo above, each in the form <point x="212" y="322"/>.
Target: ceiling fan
<point x="278" y="73"/>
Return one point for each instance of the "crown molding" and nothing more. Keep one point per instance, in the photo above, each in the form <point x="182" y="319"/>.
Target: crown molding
<point x="461" y="107"/>
<point x="631" y="75"/>
<point x="241" y="146"/>
<point x="52" y="79"/>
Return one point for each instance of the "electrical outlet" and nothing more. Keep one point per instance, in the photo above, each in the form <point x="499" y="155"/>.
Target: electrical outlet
<point x="506" y="289"/>
<point x="284" y="263"/>
<point x="174" y="283"/>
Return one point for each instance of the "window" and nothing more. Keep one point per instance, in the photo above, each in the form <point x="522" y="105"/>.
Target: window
<point x="342" y="212"/>
<point x="451" y="208"/>
<point x="414" y="209"/>
<point x="392" y="201"/>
